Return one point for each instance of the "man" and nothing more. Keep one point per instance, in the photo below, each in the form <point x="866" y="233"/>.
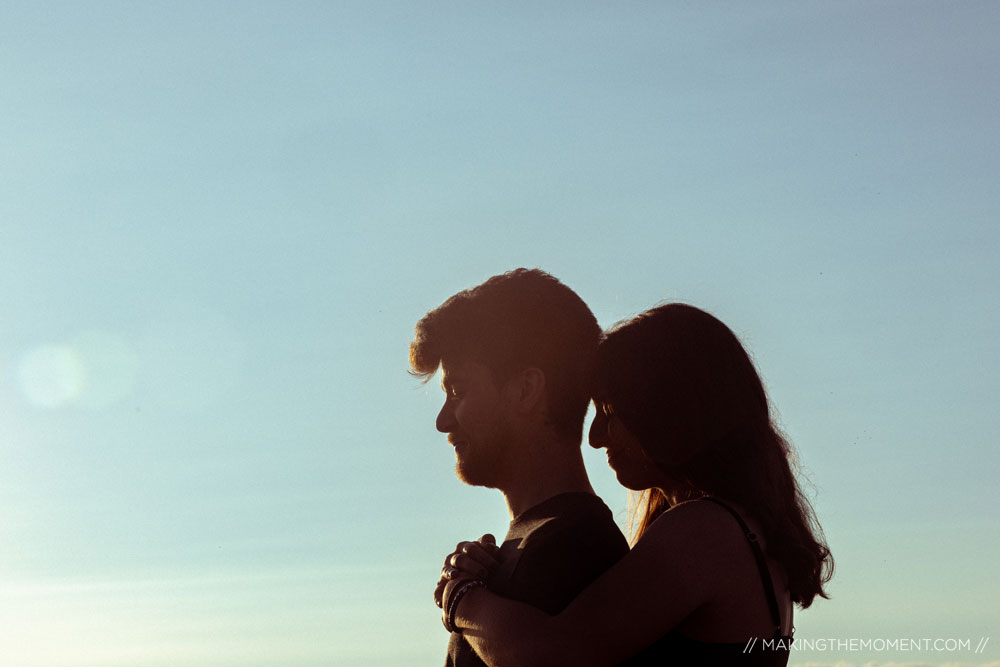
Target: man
<point x="516" y="354"/>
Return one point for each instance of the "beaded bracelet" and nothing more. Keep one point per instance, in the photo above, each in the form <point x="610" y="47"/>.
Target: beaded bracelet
<point x="449" y="616"/>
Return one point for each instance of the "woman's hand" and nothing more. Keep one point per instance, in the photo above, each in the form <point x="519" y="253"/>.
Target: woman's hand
<point x="470" y="560"/>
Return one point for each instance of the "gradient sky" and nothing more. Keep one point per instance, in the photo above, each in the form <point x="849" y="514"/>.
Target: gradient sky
<point x="220" y="221"/>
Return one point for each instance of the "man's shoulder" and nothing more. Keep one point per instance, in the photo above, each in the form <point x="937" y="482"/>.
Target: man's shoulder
<point x="559" y="551"/>
<point x="576" y="526"/>
<point x="566" y="513"/>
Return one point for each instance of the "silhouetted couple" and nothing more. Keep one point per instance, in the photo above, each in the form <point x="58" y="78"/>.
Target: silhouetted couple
<point x="725" y="541"/>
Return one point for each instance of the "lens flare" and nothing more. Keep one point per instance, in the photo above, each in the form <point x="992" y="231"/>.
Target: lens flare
<point x="95" y="369"/>
<point x="51" y="376"/>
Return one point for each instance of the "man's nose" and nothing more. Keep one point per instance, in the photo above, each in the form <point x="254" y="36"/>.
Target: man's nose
<point x="446" y="418"/>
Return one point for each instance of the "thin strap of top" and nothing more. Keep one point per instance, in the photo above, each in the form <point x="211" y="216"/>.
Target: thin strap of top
<point x="758" y="554"/>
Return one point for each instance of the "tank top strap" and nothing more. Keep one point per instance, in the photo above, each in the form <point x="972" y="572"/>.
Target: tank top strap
<point x="758" y="554"/>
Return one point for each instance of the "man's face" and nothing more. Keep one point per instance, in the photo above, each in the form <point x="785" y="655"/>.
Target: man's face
<point x="474" y="417"/>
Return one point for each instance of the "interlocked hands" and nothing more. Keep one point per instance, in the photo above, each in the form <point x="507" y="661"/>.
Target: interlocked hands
<point x="465" y="568"/>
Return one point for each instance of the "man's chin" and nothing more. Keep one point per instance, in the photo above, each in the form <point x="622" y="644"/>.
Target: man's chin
<point x="471" y="476"/>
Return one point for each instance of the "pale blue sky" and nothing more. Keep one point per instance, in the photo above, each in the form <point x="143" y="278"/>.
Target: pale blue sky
<point x="220" y="221"/>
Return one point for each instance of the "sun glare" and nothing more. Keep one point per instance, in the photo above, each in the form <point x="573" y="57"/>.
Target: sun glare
<point x="51" y="376"/>
<point x="95" y="369"/>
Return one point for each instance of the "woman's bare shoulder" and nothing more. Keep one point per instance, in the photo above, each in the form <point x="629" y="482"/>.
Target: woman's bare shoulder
<point x="699" y="533"/>
<point x="698" y="514"/>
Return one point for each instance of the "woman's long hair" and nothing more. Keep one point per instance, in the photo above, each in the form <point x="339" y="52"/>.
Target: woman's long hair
<point x="680" y="380"/>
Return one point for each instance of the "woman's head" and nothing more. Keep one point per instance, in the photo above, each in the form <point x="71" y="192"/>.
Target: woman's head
<point x="678" y="385"/>
<point x="680" y="381"/>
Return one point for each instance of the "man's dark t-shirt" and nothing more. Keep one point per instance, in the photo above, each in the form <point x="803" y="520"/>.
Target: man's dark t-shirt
<point x="552" y="552"/>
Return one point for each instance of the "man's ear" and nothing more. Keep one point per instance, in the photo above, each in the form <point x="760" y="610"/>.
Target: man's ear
<point x="528" y="389"/>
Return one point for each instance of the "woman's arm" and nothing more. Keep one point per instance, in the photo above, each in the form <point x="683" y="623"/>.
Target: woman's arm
<point x="676" y="567"/>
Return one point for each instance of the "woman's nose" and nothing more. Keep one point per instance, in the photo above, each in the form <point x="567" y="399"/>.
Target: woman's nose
<point x="598" y="436"/>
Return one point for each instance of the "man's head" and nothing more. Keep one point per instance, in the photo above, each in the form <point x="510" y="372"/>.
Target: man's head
<point x="517" y="353"/>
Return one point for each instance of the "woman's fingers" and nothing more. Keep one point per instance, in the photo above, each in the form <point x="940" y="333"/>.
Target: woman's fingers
<point x="470" y="559"/>
<point x="468" y="566"/>
<point x="484" y="555"/>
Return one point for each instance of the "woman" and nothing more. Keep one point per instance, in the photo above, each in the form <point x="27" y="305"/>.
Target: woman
<point x="725" y="544"/>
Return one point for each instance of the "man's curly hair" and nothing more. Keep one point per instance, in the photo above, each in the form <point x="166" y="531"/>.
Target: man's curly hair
<point x="520" y="319"/>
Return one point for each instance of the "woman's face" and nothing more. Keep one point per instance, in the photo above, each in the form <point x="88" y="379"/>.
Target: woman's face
<point x="634" y="469"/>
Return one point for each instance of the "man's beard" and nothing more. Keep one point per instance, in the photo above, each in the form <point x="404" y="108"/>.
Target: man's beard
<point x="483" y="464"/>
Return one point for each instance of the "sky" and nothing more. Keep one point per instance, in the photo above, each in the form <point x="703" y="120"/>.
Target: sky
<point x="220" y="221"/>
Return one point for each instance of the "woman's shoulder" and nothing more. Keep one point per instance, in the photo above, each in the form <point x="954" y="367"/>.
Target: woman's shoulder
<point x="705" y="516"/>
<point x="702" y="531"/>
